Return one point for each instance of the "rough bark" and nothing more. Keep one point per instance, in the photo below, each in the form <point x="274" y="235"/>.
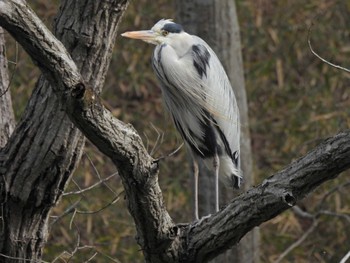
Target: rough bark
<point x="160" y="239"/>
<point x="7" y="118"/>
<point x="45" y="147"/>
<point x="216" y="22"/>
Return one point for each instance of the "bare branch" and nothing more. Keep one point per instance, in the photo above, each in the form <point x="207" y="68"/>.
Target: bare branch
<point x="114" y="200"/>
<point x="29" y="25"/>
<point x="276" y="194"/>
<point x="330" y="192"/>
<point x="73" y="209"/>
<point x="91" y="187"/>
<point x="101" y="181"/>
<point x="20" y="259"/>
<point x="298" y="242"/>
<point x="321" y="58"/>
<point x="170" y="154"/>
<point x="79" y="247"/>
<point x="159" y="140"/>
<point x="109" y="257"/>
<point x="314" y="217"/>
<point x="69" y="210"/>
<point x="297" y="210"/>
<point x="334" y="214"/>
<point x="92" y="257"/>
<point x="98" y="174"/>
<point x="345" y="258"/>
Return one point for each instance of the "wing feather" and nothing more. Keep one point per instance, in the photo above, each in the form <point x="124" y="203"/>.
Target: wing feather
<point x="193" y="85"/>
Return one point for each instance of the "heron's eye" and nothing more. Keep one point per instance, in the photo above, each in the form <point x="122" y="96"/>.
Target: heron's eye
<point x="165" y="33"/>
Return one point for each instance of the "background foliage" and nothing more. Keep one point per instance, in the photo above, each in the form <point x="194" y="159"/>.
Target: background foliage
<point x="295" y="101"/>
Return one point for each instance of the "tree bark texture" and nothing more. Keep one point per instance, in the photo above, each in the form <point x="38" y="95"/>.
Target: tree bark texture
<point x="216" y="22"/>
<point x="160" y="239"/>
<point x="7" y="118"/>
<point x="45" y="147"/>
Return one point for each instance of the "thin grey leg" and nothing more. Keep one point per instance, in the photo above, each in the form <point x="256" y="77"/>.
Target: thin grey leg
<point x="216" y="168"/>
<point x="195" y="190"/>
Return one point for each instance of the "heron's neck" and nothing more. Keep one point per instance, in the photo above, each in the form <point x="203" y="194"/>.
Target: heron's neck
<point x="182" y="44"/>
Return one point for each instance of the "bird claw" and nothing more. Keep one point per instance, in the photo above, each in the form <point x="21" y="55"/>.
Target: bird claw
<point x="198" y="222"/>
<point x="194" y="224"/>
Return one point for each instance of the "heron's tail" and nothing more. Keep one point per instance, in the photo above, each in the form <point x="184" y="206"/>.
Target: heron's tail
<point x="230" y="175"/>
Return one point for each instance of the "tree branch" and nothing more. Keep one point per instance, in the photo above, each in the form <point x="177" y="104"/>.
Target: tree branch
<point x="273" y="196"/>
<point x="21" y="22"/>
<point x="159" y="238"/>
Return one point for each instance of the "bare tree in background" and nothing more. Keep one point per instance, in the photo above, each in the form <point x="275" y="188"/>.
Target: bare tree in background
<point x="216" y="22"/>
<point x="7" y="118"/>
<point x="42" y="152"/>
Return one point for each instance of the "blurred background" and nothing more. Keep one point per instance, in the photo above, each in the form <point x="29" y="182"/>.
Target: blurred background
<point x="295" y="101"/>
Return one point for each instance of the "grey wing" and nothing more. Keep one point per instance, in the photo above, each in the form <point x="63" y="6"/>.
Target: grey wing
<point x="221" y="101"/>
<point x="183" y="93"/>
<point x="193" y="86"/>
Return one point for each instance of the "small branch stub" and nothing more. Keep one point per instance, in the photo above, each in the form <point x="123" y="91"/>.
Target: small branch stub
<point x="84" y="94"/>
<point x="78" y="91"/>
<point x="289" y="199"/>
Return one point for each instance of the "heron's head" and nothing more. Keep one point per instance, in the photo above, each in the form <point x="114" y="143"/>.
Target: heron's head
<point x="164" y="31"/>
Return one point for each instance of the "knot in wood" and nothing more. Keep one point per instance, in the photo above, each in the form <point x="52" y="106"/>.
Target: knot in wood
<point x="78" y="91"/>
<point x="174" y="232"/>
<point x="289" y="199"/>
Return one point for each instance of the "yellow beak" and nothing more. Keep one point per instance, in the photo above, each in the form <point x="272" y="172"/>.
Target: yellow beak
<point x="145" y="35"/>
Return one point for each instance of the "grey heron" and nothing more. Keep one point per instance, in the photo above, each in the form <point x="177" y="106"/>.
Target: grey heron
<point x="198" y="95"/>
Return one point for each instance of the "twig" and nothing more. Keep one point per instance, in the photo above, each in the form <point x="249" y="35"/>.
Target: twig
<point x="115" y="199"/>
<point x="72" y="219"/>
<point x="94" y="255"/>
<point x="321" y="58"/>
<point x="22" y="259"/>
<point x="330" y="192"/>
<point x="147" y="140"/>
<point x="159" y="140"/>
<point x="298" y="242"/>
<point x="74" y="210"/>
<point x="345" y="258"/>
<point x="75" y="250"/>
<point x="98" y="174"/>
<point x="13" y="73"/>
<point x="297" y="210"/>
<point x="90" y="187"/>
<point x="66" y="212"/>
<point x="330" y="213"/>
<point x="109" y="257"/>
<point x="79" y="247"/>
<point x="170" y="154"/>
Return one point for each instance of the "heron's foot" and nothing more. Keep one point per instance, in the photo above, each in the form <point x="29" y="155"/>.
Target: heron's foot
<point x="182" y="224"/>
<point x="195" y="223"/>
<point x="198" y="222"/>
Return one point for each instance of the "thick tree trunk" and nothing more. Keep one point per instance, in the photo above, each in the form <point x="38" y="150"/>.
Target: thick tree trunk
<point x="216" y="22"/>
<point x="7" y="118"/>
<point x="45" y="147"/>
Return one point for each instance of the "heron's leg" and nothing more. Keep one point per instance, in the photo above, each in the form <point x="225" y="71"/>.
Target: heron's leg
<point x="216" y="165"/>
<point x="195" y="190"/>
